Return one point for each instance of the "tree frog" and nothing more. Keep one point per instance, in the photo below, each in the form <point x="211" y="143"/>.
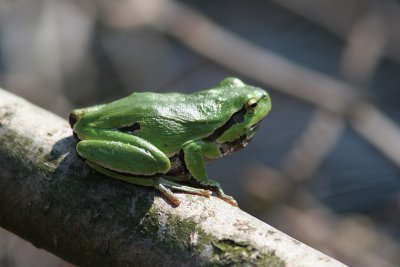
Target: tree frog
<point x="164" y="139"/>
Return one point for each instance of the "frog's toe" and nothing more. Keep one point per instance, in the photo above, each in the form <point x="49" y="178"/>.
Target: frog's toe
<point x="228" y="199"/>
<point x="168" y="194"/>
<point x="206" y="193"/>
<point x="186" y="189"/>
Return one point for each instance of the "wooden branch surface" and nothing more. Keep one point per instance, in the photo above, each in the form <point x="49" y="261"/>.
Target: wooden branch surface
<point x="50" y="197"/>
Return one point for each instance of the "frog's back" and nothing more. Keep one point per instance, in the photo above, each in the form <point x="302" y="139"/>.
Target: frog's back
<point x="167" y="120"/>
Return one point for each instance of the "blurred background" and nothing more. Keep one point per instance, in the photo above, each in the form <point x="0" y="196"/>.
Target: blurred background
<point x="323" y="167"/>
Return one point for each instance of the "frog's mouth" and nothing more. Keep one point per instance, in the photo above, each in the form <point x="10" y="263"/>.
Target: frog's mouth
<point x="255" y="126"/>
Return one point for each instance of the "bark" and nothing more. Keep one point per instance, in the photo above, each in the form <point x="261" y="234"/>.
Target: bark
<point x="50" y="197"/>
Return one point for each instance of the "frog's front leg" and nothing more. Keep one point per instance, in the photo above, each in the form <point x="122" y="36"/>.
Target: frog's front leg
<point x="195" y="154"/>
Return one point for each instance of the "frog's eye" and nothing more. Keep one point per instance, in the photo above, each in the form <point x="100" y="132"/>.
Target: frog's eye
<point x="251" y="105"/>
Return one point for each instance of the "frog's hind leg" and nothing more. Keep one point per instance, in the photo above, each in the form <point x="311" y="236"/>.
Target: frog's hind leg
<point x="133" y="156"/>
<point x="160" y="184"/>
<point x="76" y="114"/>
<point x="138" y="180"/>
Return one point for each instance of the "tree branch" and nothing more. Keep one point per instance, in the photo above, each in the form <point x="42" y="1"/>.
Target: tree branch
<point x="51" y="198"/>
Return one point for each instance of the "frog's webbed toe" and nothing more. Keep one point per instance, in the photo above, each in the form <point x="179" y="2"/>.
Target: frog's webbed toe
<point x="216" y="187"/>
<point x="164" y="186"/>
<point x="228" y="199"/>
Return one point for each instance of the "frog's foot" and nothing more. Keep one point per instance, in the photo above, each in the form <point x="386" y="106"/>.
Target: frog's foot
<point x="168" y="194"/>
<point x="216" y="187"/>
<point x="164" y="184"/>
<point x="227" y="198"/>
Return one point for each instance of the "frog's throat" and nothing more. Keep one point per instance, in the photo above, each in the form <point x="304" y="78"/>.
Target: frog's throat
<point x="230" y="147"/>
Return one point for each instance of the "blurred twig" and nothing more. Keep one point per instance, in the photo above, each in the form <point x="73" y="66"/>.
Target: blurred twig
<point x="313" y="146"/>
<point x="378" y="129"/>
<point x="365" y="46"/>
<point x="270" y="185"/>
<point x="341" y="17"/>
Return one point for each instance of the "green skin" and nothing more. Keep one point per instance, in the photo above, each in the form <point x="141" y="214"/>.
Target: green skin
<point x="163" y="140"/>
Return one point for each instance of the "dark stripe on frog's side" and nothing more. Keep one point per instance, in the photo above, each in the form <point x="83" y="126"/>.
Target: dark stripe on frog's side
<point x="237" y="117"/>
<point x="129" y="129"/>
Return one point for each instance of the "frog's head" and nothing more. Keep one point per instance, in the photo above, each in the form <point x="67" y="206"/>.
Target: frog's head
<point x="253" y="105"/>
